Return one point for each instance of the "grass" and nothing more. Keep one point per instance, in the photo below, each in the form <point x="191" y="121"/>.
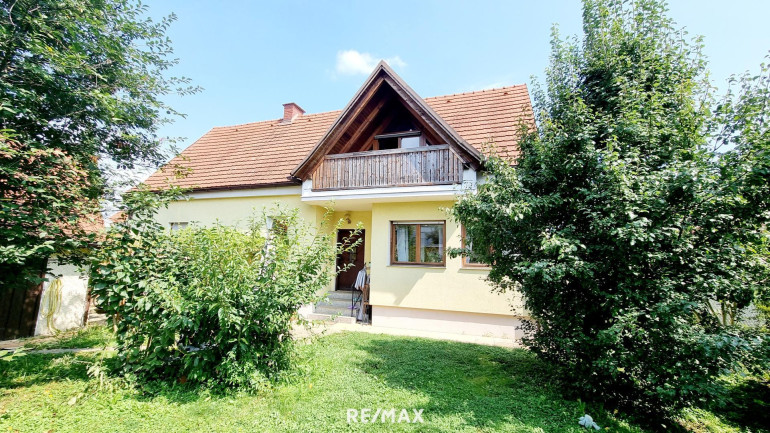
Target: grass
<point x="460" y="387"/>
<point x="90" y="336"/>
<point x="749" y="405"/>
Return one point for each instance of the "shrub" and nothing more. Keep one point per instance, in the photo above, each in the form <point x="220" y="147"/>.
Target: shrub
<point x="621" y="224"/>
<point x="212" y="305"/>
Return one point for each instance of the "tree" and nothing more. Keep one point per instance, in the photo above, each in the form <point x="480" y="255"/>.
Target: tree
<point x="742" y="125"/>
<point x="81" y="81"/>
<point x="621" y="223"/>
<point x="45" y="208"/>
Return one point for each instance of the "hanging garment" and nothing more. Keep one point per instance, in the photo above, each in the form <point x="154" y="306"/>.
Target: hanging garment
<point x="361" y="280"/>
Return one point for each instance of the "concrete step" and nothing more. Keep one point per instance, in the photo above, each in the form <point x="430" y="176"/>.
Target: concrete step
<point x="340" y="295"/>
<point x="336" y="303"/>
<point x="331" y="318"/>
<point x="321" y="309"/>
<point x="96" y="319"/>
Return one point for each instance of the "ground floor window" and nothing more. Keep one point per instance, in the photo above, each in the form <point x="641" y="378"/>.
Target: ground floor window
<point x="418" y="242"/>
<point x="178" y="225"/>
<point x="277" y="226"/>
<point x="470" y="259"/>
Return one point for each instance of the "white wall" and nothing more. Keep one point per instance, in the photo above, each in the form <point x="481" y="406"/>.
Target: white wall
<point x="453" y="322"/>
<point x="69" y="313"/>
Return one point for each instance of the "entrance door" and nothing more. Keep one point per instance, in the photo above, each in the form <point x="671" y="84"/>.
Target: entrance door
<point x="347" y="278"/>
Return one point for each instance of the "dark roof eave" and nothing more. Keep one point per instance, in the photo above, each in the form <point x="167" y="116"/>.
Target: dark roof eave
<point x="245" y="186"/>
<point x="236" y="187"/>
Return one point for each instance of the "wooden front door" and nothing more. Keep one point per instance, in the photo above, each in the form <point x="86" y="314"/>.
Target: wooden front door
<point x="346" y="279"/>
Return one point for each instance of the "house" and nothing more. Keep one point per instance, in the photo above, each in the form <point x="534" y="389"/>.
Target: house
<point x="391" y="161"/>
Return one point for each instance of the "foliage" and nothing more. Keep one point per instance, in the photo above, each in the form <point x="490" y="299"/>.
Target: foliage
<point x="207" y="305"/>
<point x="86" y="77"/>
<point x="742" y="124"/>
<point x="622" y="223"/>
<point x="43" y="201"/>
<point x="80" y="81"/>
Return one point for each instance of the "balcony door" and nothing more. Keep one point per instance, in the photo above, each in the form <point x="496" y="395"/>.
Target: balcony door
<point x="347" y="278"/>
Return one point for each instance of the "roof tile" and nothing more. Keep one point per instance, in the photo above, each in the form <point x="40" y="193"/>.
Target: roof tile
<point x="264" y="153"/>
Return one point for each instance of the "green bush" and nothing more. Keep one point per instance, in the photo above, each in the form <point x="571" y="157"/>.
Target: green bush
<point x="622" y="224"/>
<point x="212" y="305"/>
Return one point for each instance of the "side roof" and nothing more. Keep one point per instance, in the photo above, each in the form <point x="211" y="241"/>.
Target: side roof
<point x="266" y="153"/>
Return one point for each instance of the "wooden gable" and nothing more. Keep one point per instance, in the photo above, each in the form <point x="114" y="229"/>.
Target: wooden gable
<point x="384" y="104"/>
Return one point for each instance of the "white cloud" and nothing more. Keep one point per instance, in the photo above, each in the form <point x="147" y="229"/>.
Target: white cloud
<point x="494" y="85"/>
<point x="396" y="62"/>
<point x="486" y="86"/>
<point x="352" y="62"/>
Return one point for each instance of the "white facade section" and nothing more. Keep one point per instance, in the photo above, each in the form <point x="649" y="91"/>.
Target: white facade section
<point x="362" y="198"/>
<point x="452" y="322"/>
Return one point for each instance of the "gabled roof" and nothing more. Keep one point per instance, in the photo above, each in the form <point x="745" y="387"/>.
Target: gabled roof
<point x="383" y="75"/>
<point x="264" y="154"/>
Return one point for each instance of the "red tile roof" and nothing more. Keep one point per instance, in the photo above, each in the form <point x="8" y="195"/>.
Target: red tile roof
<point x="265" y="153"/>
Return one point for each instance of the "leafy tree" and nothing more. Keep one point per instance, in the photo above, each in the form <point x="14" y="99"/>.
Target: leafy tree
<point x="46" y="191"/>
<point x="621" y="224"/>
<point x="742" y="125"/>
<point x="81" y="81"/>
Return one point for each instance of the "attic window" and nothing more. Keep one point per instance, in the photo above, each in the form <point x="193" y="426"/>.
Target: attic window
<point x="400" y="140"/>
<point x="387" y="143"/>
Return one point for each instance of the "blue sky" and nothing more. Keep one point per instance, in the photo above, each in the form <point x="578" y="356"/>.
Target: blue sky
<point x="251" y="57"/>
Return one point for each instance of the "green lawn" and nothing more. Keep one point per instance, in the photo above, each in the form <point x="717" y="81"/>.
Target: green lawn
<point x="90" y="336"/>
<point x="460" y="387"/>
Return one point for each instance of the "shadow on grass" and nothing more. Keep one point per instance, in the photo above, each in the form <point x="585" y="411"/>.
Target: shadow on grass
<point x="486" y="386"/>
<point x="37" y="369"/>
<point x="41" y="369"/>
<point x="90" y="336"/>
<point x="748" y="403"/>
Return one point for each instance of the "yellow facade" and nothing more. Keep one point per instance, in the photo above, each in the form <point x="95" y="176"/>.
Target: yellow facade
<point x="450" y="288"/>
<point x="235" y="211"/>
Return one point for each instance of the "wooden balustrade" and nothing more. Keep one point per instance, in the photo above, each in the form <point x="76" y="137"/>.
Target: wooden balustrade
<point x="427" y="165"/>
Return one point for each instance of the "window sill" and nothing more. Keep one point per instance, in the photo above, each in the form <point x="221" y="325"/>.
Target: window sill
<point x="415" y="265"/>
<point x="475" y="268"/>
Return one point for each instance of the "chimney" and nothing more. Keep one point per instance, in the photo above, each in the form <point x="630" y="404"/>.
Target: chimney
<point x="291" y="111"/>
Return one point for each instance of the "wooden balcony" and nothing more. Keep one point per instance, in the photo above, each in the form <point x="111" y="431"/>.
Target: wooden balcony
<point x="429" y="165"/>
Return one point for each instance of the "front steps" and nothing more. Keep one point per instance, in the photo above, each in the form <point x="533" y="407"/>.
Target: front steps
<point x="336" y="308"/>
<point x="95" y="318"/>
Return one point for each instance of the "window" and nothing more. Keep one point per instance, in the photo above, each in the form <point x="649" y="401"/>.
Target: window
<point x="387" y="143"/>
<point x="177" y="225"/>
<point x="417" y="243"/>
<point x="470" y="260"/>
<point x="410" y="142"/>
<point x="399" y="140"/>
<point x="277" y="226"/>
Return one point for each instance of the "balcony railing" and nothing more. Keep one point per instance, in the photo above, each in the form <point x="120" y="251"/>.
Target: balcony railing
<point x="428" y="165"/>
